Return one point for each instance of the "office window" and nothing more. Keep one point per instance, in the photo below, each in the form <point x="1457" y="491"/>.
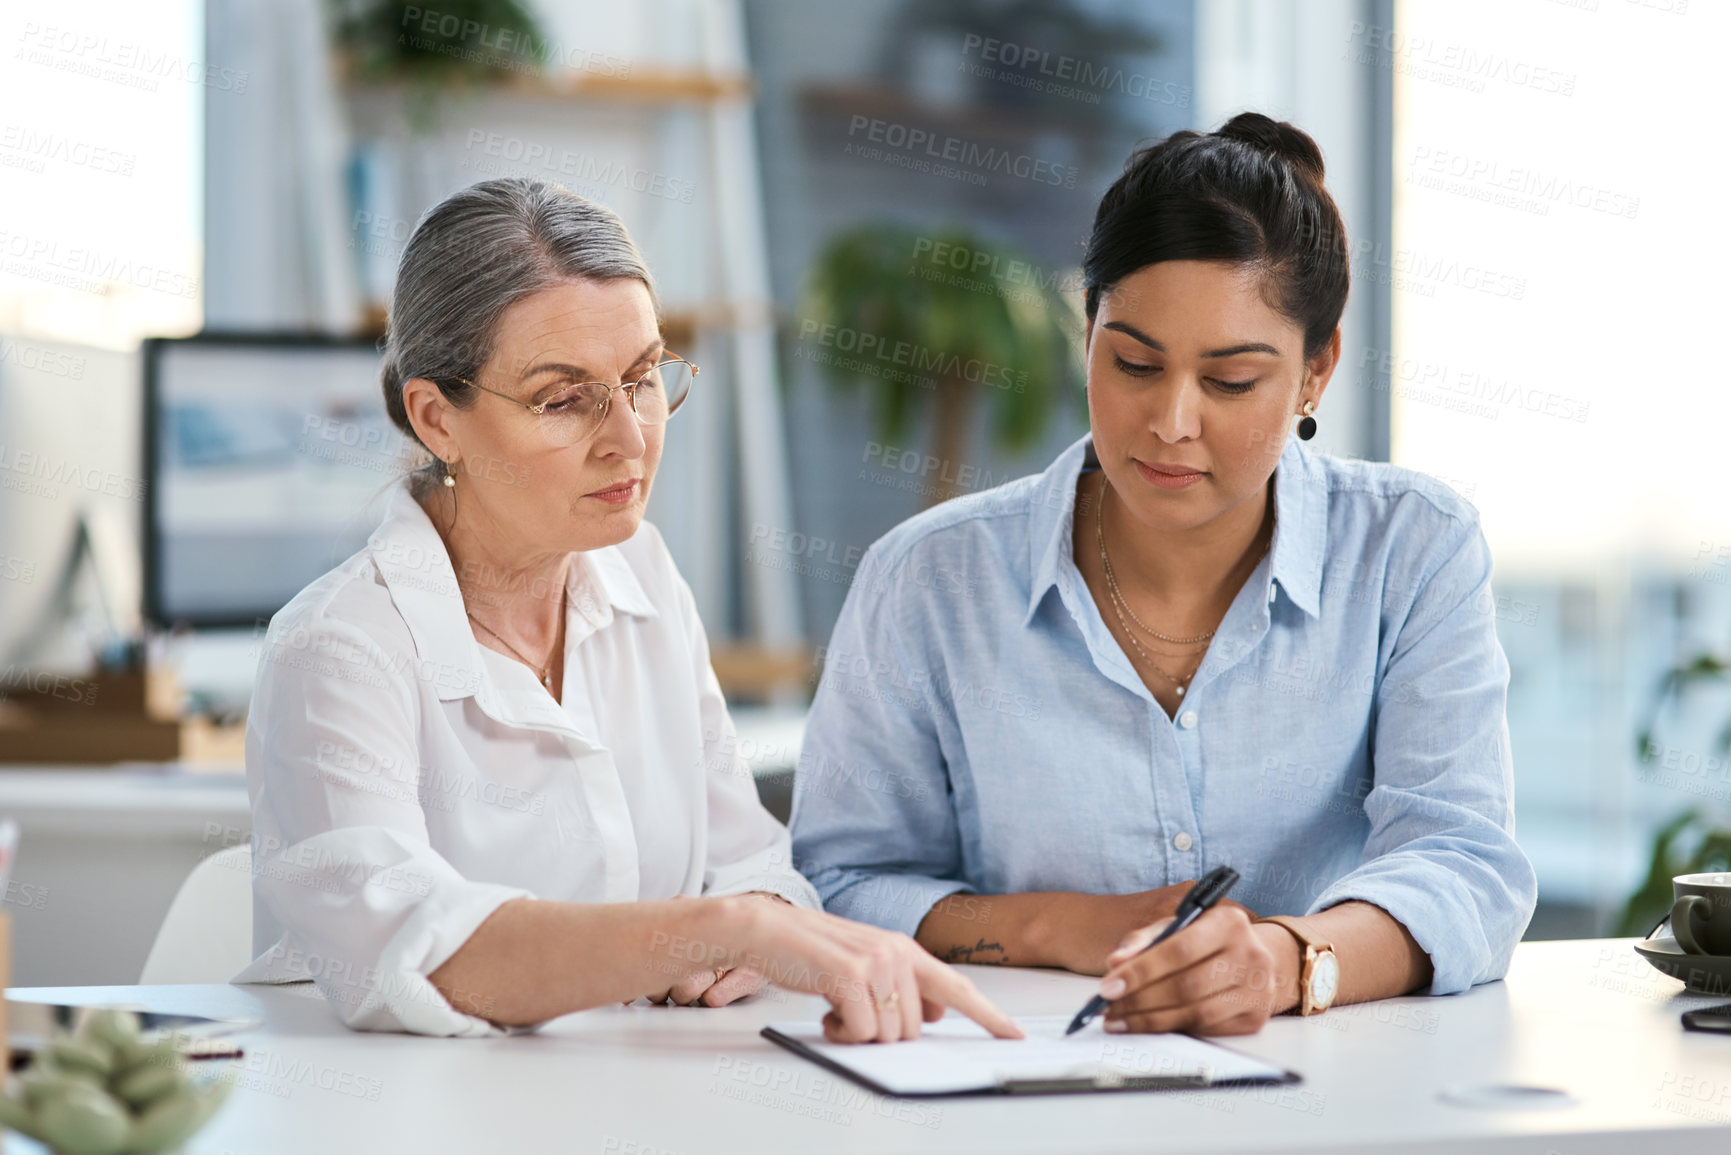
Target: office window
<point x="101" y="136"/>
<point x="1557" y="275"/>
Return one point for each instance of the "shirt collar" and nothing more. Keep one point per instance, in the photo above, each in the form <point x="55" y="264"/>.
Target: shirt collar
<point x="1300" y="524"/>
<point x="411" y="558"/>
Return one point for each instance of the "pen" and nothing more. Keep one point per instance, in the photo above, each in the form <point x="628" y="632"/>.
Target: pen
<point x="1210" y="889"/>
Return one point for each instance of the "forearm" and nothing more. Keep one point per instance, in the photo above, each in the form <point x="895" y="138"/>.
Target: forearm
<point x="1040" y="929"/>
<point x="533" y="959"/>
<point x="1000" y="929"/>
<point x="1378" y="958"/>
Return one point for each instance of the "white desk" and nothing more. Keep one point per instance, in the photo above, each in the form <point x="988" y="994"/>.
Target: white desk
<point x="1590" y="1017"/>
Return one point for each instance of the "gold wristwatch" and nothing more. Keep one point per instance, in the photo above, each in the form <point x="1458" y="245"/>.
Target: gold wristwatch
<point x="1319" y="973"/>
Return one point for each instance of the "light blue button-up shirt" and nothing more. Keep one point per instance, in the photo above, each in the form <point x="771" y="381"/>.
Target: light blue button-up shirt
<point x="979" y="729"/>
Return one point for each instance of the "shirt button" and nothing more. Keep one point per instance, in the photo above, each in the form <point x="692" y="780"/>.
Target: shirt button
<point x="1181" y="840"/>
<point x="1187" y="719"/>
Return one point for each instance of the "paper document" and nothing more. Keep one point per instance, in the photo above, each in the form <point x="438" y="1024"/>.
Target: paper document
<point x="957" y="1056"/>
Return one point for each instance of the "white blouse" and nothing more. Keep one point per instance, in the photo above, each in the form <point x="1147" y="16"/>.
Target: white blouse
<point x="406" y="780"/>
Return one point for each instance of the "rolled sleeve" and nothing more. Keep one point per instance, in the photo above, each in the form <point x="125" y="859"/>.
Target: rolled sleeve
<point x="1441" y="857"/>
<point x="873" y="823"/>
<point x="341" y="856"/>
<point x="376" y="916"/>
<point x="891" y="899"/>
<point x="762" y="874"/>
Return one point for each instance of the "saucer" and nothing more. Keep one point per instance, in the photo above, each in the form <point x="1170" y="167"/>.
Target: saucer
<point x="1706" y="974"/>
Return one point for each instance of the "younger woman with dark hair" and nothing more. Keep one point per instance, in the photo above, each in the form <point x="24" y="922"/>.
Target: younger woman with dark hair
<point x="1188" y="643"/>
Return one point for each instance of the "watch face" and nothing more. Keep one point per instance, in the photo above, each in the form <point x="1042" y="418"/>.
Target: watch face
<point x="1324" y="979"/>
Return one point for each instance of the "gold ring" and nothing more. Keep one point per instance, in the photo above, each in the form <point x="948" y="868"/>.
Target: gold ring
<point x="719" y="971"/>
<point x="895" y="997"/>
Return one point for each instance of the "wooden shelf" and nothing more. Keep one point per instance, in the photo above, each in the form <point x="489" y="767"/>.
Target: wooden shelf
<point x="650" y="88"/>
<point x="55" y="738"/>
<point x="756" y="673"/>
<point x="109" y="717"/>
<point x="970" y="120"/>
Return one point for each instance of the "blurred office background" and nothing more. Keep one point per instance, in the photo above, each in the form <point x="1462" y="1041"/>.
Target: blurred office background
<point x="204" y="202"/>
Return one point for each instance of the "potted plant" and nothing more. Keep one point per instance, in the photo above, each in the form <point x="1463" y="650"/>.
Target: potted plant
<point x="462" y="42"/>
<point x="1693" y="842"/>
<point x="937" y="322"/>
<point x="107" y="1089"/>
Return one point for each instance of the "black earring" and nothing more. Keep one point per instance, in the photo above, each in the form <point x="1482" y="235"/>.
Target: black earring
<point x="1307" y="424"/>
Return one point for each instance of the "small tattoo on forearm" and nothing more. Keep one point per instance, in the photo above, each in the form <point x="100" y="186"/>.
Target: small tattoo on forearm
<point x="993" y="952"/>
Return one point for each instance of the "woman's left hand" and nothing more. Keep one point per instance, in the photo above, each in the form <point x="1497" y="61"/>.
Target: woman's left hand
<point x="1221" y="975"/>
<point x="716" y="988"/>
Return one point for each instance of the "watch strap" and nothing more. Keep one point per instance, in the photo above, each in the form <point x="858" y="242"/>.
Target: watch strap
<point x="1308" y="938"/>
<point x="1310" y="947"/>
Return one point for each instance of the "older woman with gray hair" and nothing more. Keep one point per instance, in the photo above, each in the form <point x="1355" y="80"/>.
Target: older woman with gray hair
<point x="492" y="775"/>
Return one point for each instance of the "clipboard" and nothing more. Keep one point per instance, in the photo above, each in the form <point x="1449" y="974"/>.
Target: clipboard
<point x="955" y="1057"/>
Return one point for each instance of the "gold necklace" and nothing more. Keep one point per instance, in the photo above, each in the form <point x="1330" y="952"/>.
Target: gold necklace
<point x="1120" y="606"/>
<point x="546" y="671"/>
<point x="1178" y="683"/>
<point x="1112" y="580"/>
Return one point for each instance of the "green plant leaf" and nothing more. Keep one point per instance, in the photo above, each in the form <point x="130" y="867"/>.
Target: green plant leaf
<point x="462" y="41"/>
<point x="1712" y="851"/>
<point x="1653" y="897"/>
<point x="878" y="313"/>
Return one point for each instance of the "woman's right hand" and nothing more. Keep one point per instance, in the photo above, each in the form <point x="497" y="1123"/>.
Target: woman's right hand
<point x="1092" y="926"/>
<point x="881" y="985"/>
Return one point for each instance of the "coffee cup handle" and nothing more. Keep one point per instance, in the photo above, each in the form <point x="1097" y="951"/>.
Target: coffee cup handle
<point x="1681" y="910"/>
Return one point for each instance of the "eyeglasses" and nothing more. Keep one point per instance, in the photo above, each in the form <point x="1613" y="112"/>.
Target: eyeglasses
<point x="575" y="411"/>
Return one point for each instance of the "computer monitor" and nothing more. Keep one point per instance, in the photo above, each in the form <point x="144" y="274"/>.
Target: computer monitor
<point x="269" y="459"/>
<point x="68" y="473"/>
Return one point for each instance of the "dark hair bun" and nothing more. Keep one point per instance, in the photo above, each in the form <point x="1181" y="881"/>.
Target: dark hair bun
<point x="1251" y="195"/>
<point x="1284" y="140"/>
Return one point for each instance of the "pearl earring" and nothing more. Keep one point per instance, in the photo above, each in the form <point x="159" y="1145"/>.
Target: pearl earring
<point x="450" y="476"/>
<point x="1307" y="425"/>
